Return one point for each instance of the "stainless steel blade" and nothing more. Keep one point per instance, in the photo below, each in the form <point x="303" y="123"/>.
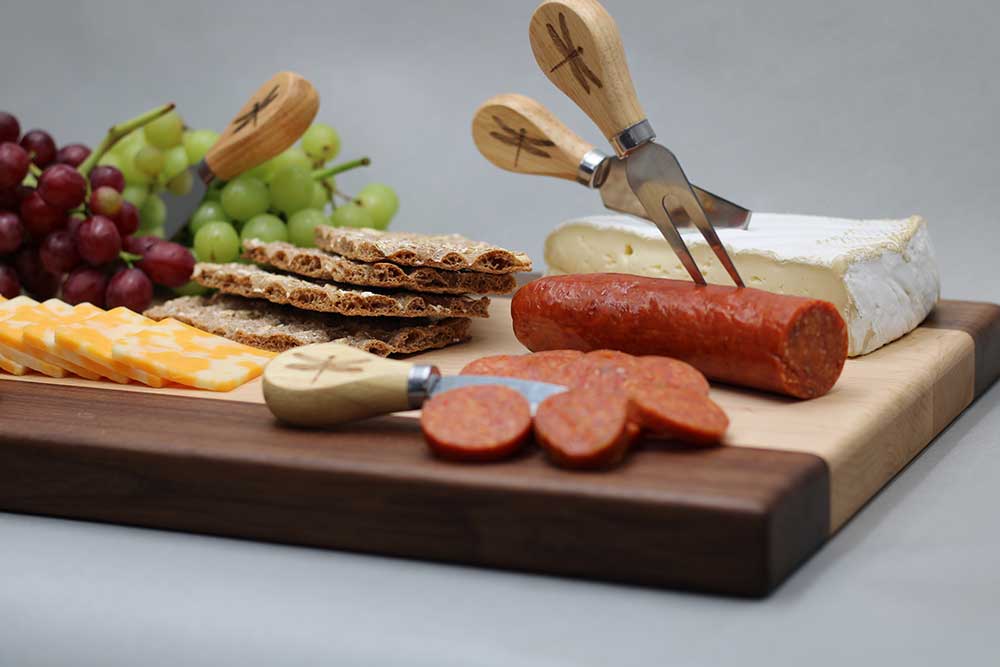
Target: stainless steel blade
<point x="535" y="392"/>
<point x="180" y="208"/>
<point x="618" y="196"/>
<point x="658" y="180"/>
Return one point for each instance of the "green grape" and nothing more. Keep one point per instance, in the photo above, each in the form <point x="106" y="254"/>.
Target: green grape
<point x="244" y="197"/>
<point x="181" y="184"/>
<point x="111" y="160"/>
<point x="292" y="157"/>
<point x="133" y="175"/>
<point x="197" y="143"/>
<point x="351" y="215"/>
<point x="381" y="201"/>
<point x="158" y="231"/>
<point x="166" y="131"/>
<point x="291" y="189"/>
<point x="217" y="242"/>
<point x="209" y="211"/>
<point x="321" y="143"/>
<point x="175" y="161"/>
<point x="264" y="227"/>
<point x="214" y="192"/>
<point x="320" y="196"/>
<point x="129" y="144"/>
<point x="152" y="213"/>
<point x="149" y="160"/>
<point x="136" y="194"/>
<point x="190" y="288"/>
<point x="302" y="227"/>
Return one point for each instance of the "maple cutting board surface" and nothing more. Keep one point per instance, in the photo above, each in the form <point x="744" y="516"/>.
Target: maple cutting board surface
<point x="733" y="519"/>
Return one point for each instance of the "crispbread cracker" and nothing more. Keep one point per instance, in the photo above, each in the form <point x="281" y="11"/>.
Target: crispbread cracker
<point x="271" y="327"/>
<point x="314" y="263"/>
<point x="251" y="281"/>
<point x="446" y="251"/>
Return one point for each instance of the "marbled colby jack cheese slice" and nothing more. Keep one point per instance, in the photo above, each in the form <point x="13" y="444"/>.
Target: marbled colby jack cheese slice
<point x="89" y="343"/>
<point x="15" y="319"/>
<point x="40" y="340"/>
<point x="881" y="274"/>
<point x="6" y="309"/>
<point x="189" y="356"/>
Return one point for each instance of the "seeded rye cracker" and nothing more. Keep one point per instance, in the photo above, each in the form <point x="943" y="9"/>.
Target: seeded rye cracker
<point x="314" y="263"/>
<point x="447" y="251"/>
<point x="253" y="282"/>
<point x="278" y="328"/>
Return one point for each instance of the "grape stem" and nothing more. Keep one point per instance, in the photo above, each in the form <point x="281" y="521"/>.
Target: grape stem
<point x="34" y="169"/>
<point x="119" y="131"/>
<point x="320" y="174"/>
<point x="129" y="258"/>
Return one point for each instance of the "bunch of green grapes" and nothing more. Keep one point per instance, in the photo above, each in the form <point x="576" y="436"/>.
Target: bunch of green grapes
<point x="285" y="199"/>
<point x="155" y="158"/>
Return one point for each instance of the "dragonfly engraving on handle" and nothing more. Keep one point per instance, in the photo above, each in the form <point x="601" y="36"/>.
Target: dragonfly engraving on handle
<point x="322" y="365"/>
<point x="521" y="140"/>
<point x="572" y="55"/>
<point x="251" y="116"/>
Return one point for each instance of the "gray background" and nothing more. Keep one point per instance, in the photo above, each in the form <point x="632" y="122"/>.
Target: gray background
<point x="867" y="109"/>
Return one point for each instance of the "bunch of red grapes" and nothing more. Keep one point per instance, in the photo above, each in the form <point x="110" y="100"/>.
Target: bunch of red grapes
<point x="67" y="235"/>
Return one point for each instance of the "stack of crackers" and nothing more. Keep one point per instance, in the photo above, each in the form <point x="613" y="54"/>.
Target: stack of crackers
<point x="384" y="292"/>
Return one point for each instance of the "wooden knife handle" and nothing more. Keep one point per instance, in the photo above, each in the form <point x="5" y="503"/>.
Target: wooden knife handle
<point x="330" y="383"/>
<point x="518" y="134"/>
<point x="577" y="45"/>
<point x="272" y="120"/>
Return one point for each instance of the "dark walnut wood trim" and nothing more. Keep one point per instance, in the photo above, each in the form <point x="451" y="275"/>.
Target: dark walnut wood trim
<point x="728" y="520"/>
<point x="981" y="321"/>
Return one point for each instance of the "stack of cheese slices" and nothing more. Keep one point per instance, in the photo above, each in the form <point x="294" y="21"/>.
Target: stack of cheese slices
<point x="384" y="292"/>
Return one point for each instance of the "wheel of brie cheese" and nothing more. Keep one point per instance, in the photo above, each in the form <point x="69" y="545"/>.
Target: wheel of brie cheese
<point x="880" y="274"/>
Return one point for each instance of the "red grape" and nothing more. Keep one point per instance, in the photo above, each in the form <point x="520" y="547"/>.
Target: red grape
<point x="130" y="288"/>
<point x="58" y="252"/>
<point x="98" y="240"/>
<point x="73" y="223"/>
<point x="36" y="280"/>
<point x="14" y="163"/>
<point x="39" y="217"/>
<point x="9" y="200"/>
<point x="11" y="233"/>
<point x="72" y="154"/>
<point x="127" y="219"/>
<point x="85" y="284"/>
<point x="62" y="187"/>
<point x="105" y="174"/>
<point x="168" y="264"/>
<point x="105" y="201"/>
<point x="10" y="129"/>
<point x="140" y="245"/>
<point x="40" y="147"/>
<point x="10" y="286"/>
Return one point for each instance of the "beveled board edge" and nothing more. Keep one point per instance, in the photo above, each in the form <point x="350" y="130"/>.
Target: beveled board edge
<point x="981" y="320"/>
<point x="726" y="520"/>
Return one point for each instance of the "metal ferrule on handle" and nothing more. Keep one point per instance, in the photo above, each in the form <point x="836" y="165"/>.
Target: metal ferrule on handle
<point x="631" y="138"/>
<point x="593" y="168"/>
<point x="420" y="383"/>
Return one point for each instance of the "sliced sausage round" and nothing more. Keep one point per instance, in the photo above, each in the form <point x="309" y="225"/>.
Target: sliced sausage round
<point x="585" y="428"/>
<point x="476" y="423"/>
<point x="682" y="414"/>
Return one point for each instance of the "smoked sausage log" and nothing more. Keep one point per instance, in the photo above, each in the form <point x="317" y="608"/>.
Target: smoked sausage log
<point x="785" y="344"/>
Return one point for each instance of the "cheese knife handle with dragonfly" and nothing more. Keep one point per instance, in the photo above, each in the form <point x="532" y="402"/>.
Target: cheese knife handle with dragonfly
<point x="519" y="134"/>
<point x="328" y="384"/>
<point x="577" y="45"/>
<point x="270" y="121"/>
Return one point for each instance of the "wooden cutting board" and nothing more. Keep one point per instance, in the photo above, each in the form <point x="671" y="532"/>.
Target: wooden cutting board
<point x="735" y="519"/>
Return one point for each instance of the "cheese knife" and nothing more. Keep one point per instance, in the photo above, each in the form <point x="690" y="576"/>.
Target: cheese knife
<point x="577" y="45"/>
<point x="519" y="134"/>
<point x="327" y="384"/>
<point x="271" y="120"/>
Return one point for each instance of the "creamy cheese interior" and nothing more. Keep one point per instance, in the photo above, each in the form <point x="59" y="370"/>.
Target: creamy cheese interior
<point x="880" y="274"/>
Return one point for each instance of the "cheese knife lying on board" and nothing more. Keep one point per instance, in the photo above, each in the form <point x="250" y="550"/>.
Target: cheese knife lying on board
<point x="519" y="134"/>
<point x="327" y="384"/>
<point x="270" y="122"/>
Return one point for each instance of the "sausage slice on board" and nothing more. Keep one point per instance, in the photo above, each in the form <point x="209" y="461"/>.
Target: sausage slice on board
<point x="585" y="428"/>
<point x="476" y="423"/>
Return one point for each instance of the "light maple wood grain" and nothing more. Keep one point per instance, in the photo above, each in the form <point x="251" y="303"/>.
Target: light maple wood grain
<point x="271" y="120"/>
<point x="553" y="149"/>
<point x="606" y="93"/>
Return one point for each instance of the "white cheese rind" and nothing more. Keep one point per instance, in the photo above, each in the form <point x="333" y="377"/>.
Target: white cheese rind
<point x="881" y="274"/>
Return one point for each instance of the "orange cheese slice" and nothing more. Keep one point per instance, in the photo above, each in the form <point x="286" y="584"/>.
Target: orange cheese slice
<point x="10" y="365"/>
<point x="93" y="339"/>
<point x="17" y="314"/>
<point x="40" y="340"/>
<point x="192" y="357"/>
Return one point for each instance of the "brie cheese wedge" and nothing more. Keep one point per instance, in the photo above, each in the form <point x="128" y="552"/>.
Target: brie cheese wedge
<point x="880" y="274"/>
